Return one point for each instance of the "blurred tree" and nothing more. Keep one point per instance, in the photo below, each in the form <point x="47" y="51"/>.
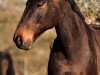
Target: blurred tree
<point x="3" y="4"/>
<point x="89" y="6"/>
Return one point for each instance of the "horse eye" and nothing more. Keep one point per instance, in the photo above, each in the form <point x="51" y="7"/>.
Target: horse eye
<point x="40" y="4"/>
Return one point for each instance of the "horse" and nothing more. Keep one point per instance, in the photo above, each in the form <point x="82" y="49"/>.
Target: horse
<point x="76" y="49"/>
<point x="6" y="64"/>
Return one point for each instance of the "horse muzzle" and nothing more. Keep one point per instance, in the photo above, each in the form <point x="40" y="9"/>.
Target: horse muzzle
<point x="25" y="45"/>
<point x="23" y="39"/>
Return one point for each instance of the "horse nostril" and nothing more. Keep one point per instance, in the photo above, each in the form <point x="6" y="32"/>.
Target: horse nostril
<point x="18" y="40"/>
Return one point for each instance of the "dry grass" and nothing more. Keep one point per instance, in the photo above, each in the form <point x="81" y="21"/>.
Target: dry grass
<point x="33" y="62"/>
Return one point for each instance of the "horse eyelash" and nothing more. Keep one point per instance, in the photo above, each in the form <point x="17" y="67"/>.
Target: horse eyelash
<point x="39" y="4"/>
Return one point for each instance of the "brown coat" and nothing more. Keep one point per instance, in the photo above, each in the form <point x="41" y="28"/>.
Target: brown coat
<point x="75" y="50"/>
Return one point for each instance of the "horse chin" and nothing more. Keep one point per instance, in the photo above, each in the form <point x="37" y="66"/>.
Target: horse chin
<point x="24" y="47"/>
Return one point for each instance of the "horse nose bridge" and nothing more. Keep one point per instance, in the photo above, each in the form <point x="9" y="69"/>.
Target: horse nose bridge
<point x="24" y="34"/>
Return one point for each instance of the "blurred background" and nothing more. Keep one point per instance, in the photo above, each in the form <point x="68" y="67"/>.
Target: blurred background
<point x="34" y="61"/>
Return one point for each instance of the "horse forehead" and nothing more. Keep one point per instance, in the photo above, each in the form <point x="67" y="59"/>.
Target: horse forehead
<point x="35" y="0"/>
<point x="56" y="2"/>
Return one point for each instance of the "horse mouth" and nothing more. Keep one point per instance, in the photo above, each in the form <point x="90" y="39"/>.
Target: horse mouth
<point x="24" y="47"/>
<point x="27" y="45"/>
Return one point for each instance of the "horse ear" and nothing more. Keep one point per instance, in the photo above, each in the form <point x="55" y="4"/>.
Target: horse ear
<point x="75" y="8"/>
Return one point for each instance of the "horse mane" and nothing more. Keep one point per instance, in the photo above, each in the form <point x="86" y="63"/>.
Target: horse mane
<point x="75" y="8"/>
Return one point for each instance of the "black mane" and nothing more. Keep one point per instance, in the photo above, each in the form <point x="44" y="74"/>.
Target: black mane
<point x="75" y="8"/>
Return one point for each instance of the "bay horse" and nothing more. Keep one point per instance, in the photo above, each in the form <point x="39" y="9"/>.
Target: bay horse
<point x="6" y="64"/>
<point x="76" y="48"/>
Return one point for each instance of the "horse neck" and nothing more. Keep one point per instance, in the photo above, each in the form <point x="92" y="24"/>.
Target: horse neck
<point x="71" y="31"/>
